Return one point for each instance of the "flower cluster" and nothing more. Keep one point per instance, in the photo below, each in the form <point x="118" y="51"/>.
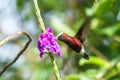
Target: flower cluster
<point x="48" y="42"/>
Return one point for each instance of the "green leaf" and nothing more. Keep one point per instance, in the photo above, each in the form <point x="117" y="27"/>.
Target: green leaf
<point x="93" y="60"/>
<point x="111" y="30"/>
<point x="72" y="77"/>
<point x="104" y="6"/>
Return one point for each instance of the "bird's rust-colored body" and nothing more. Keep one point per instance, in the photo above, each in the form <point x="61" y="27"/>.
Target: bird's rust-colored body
<point x="76" y="42"/>
<point x="72" y="42"/>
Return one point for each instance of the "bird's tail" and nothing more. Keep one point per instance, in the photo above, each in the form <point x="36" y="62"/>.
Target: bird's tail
<point x="84" y="54"/>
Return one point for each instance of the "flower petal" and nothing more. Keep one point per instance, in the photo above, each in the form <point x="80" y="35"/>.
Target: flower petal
<point x="48" y="42"/>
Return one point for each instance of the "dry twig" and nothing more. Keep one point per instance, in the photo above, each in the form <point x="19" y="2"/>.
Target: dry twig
<point x="20" y="52"/>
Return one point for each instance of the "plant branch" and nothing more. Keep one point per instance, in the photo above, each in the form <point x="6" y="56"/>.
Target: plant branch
<point x="109" y="69"/>
<point x="21" y="51"/>
<point x="56" y="71"/>
<point x="97" y="52"/>
<point x="41" y="24"/>
<point x="114" y="75"/>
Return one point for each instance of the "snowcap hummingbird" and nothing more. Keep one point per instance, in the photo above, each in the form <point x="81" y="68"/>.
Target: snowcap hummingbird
<point x="76" y="42"/>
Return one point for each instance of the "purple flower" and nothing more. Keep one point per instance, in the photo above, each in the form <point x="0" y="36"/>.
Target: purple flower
<point x="48" y="42"/>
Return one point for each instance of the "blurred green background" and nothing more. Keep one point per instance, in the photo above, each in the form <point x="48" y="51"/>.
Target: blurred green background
<point x="102" y="44"/>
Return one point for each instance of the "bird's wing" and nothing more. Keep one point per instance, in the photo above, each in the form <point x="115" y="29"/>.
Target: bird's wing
<point x="84" y="30"/>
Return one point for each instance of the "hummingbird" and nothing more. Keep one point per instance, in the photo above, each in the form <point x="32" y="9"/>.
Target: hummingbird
<point x="76" y="42"/>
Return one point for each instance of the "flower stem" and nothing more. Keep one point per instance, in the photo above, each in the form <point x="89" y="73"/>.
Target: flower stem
<point x="56" y="71"/>
<point x="41" y="25"/>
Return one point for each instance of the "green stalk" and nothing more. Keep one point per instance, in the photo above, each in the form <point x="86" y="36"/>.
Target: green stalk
<point x="56" y="71"/>
<point x="41" y="25"/>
